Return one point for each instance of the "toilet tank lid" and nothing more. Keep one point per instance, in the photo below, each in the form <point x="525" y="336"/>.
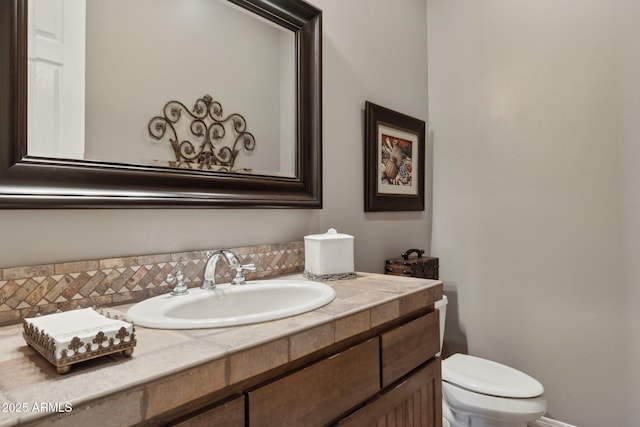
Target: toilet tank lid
<point x="442" y="302"/>
<point x="488" y="377"/>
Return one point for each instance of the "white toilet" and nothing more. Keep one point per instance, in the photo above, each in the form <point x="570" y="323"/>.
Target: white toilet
<point x="481" y="393"/>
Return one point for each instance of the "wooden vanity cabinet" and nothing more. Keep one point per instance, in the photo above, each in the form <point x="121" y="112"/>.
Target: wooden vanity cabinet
<point x="394" y="380"/>
<point x="411" y="379"/>
<point x="390" y="378"/>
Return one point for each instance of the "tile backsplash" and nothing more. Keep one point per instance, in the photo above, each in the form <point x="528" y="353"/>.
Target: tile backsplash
<point x="26" y="291"/>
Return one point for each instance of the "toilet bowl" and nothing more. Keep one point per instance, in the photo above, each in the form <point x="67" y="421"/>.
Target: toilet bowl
<point x="481" y="393"/>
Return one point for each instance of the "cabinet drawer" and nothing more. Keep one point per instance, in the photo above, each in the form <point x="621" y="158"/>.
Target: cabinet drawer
<point x="319" y="393"/>
<point x="229" y="414"/>
<point x="408" y="346"/>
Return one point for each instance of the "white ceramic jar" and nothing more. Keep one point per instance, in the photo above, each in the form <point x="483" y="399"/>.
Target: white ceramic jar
<point x="328" y="254"/>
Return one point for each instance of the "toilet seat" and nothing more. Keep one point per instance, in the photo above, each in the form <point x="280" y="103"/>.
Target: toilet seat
<point x="489" y="378"/>
<point x="490" y="407"/>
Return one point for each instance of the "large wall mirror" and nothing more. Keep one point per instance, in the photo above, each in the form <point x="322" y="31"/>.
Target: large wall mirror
<point x="160" y="103"/>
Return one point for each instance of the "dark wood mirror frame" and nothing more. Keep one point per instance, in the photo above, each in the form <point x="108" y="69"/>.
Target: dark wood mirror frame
<point x="36" y="182"/>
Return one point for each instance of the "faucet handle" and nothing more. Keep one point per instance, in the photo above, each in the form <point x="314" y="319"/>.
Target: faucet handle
<point x="180" y="288"/>
<point x="239" y="277"/>
<point x="248" y="267"/>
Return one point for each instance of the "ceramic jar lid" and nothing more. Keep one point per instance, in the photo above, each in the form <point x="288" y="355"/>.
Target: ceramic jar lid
<point x="331" y="234"/>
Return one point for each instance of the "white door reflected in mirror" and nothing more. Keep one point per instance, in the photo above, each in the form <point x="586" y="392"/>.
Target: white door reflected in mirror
<point x="56" y="67"/>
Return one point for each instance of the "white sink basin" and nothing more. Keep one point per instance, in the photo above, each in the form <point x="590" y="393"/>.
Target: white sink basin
<point x="227" y="305"/>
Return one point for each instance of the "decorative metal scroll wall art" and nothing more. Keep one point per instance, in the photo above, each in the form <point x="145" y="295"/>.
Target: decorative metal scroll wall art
<point x="205" y="147"/>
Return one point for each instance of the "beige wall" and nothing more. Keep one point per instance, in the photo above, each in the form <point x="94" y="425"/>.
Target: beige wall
<point x="629" y="155"/>
<point x="362" y="61"/>
<point x="188" y="49"/>
<point x="373" y="50"/>
<point x="534" y="107"/>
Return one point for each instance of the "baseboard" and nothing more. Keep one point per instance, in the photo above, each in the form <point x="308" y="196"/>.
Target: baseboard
<point x="548" y="422"/>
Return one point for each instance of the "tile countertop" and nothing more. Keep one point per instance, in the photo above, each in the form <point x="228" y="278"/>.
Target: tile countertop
<point x="171" y="367"/>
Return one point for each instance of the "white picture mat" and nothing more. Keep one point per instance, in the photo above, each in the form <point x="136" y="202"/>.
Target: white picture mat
<point x="385" y="188"/>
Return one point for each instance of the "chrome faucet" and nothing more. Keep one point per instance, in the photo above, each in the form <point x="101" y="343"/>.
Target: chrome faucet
<point x="209" y="279"/>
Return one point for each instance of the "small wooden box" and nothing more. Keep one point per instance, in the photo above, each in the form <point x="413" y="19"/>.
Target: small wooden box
<point x="418" y="266"/>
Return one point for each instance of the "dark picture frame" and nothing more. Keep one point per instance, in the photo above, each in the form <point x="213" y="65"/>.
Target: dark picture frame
<point x="394" y="160"/>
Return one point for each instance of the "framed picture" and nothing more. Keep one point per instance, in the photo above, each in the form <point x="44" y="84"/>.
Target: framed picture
<point x="394" y="160"/>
